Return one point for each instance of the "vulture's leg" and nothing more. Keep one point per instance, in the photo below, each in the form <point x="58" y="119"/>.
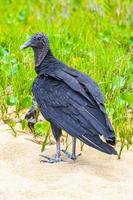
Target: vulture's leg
<point x="72" y="156"/>
<point x="57" y="134"/>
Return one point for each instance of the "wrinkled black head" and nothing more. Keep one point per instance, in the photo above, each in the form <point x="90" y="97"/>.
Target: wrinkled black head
<point x="40" y="44"/>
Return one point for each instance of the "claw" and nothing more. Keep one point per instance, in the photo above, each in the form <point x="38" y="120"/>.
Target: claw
<point x="51" y="160"/>
<point x="71" y="156"/>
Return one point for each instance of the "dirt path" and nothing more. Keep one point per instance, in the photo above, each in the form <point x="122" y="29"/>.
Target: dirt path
<point x="94" y="176"/>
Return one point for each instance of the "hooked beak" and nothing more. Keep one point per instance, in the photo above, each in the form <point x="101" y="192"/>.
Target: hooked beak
<point x="26" y="45"/>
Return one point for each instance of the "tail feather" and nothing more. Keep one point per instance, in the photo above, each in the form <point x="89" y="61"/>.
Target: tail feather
<point x="110" y="137"/>
<point x="111" y="140"/>
<point x="95" y="142"/>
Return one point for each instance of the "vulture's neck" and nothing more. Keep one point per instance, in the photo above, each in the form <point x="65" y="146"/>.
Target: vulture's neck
<point x="43" y="60"/>
<point x="39" y="54"/>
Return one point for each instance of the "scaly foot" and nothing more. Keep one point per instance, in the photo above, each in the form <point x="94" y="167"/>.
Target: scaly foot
<point x="51" y="160"/>
<point x="71" y="156"/>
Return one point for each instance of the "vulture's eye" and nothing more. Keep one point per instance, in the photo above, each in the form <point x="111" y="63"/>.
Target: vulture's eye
<point x="39" y="38"/>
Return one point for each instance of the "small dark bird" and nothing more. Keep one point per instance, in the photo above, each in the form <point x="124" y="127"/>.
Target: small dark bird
<point x="69" y="100"/>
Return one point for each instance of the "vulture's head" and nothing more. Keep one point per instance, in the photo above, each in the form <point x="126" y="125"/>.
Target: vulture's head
<point x="40" y="45"/>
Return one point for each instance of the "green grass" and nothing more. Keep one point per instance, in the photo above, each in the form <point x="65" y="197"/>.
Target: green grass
<point x="95" y="38"/>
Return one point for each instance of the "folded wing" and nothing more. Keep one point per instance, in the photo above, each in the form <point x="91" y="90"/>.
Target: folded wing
<point x="64" y="101"/>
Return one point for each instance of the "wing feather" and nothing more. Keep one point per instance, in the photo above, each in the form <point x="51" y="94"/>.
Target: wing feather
<point x="71" y="110"/>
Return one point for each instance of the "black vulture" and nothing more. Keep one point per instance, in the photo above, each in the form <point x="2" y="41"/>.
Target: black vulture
<point x="69" y="100"/>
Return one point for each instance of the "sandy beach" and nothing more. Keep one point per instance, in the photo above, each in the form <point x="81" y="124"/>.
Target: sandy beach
<point x="94" y="176"/>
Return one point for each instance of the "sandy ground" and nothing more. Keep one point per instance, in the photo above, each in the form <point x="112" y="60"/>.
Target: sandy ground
<point x="94" y="176"/>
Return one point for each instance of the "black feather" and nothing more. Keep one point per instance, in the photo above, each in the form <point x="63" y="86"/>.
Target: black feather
<point x="73" y="102"/>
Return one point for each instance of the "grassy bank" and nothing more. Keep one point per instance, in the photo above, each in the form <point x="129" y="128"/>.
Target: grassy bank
<point x="94" y="37"/>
